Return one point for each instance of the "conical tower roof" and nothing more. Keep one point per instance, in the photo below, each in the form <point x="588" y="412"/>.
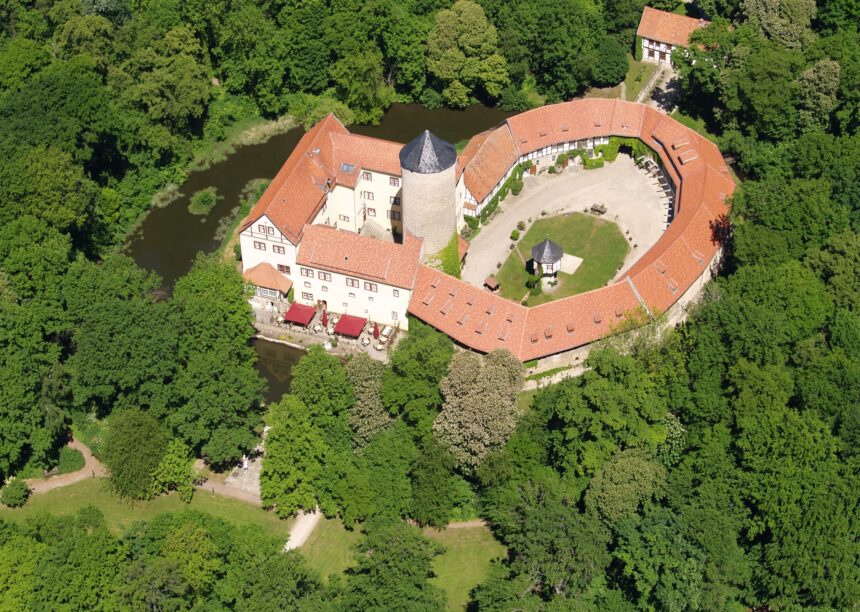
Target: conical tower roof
<point x="427" y="154"/>
<point x="547" y="252"/>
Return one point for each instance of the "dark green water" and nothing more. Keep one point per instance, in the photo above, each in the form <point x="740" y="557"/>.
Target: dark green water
<point x="170" y="237"/>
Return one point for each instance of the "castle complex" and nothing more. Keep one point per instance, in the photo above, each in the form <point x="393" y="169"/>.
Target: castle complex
<point x="355" y="224"/>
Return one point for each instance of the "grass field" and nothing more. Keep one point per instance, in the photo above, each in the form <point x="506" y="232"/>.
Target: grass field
<point x="120" y="515"/>
<point x="465" y="562"/>
<point x="638" y="75"/>
<point x="599" y="243"/>
<point x="330" y="549"/>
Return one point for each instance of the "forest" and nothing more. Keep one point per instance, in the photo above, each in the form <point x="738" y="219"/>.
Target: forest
<point x="714" y="467"/>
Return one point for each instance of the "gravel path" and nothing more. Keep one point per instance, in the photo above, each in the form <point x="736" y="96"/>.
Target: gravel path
<point x="304" y="526"/>
<point x="93" y="468"/>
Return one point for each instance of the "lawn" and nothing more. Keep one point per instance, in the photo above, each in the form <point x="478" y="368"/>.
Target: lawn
<point x="330" y="549"/>
<point x="120" y="515"/>
<point x="638" y="75"/>
<point x="599" y="243"/>
<point x="465" y="562"/>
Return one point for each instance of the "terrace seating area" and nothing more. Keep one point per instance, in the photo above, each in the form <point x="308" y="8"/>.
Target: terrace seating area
<point x="311" y="325"/>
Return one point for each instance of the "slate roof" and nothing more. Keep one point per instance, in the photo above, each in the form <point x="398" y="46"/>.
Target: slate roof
<point x="427" y="154"/>
<point x="547" y="252"/>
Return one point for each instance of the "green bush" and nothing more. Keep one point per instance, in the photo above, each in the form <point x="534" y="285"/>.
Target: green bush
<point x="552" y="170"/>
<point x="515" y="235"/>
<point x="237" y="251"/>
<point x="450" y="258"/>
<point x="471" y="221"/>
<point x="590" y="163"/>
<point x="521" y="225"/>
<point x="516" y="187"/>
<point x="637" y="50"/>
<point x="71" y="460"/>
<point x="15" y="493"/>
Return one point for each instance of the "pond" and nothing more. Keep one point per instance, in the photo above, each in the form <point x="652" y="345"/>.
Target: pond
<point x="170" y="237"/>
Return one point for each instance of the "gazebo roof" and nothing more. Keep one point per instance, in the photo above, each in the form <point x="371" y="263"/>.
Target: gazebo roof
<point x="547" y="252"/>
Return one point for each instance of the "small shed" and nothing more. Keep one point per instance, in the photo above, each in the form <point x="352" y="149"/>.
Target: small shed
<point x="548" y="255"/>
<point x="491" y="283"/>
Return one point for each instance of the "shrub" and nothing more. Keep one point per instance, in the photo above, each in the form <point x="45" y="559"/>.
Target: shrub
<point x="516" y="187"/>
<point x="71" y="460"/>
<point x="15" y="493"/>
<point x="590" y="163"/>
<point x="450" y="258"/>
<point x="521" y="225"/>
<point x="637" y="49"/>
<point x="134" y="445"/>
<point x="237" y="251"/>
<point x="471" y="221"/>
<point x="515" y="235"/>
<point x="552" y="170"/>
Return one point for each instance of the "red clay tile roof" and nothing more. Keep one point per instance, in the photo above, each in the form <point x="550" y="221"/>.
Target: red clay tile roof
<point x="485" y="321"/>
<point x="668" y="27"/>
<point x="265" y="275"/>
<point x="298" y="190"/>
<point x="364" y="257"/>
<point x="462" y="247"/>
<point x="490" y="161"/>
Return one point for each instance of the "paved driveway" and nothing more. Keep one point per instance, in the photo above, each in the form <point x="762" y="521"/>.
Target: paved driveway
<point x="632" y="199"/>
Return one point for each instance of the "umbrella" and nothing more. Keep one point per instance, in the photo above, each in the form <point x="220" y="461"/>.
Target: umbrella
<point x="325" y="318"/>
<point x="375" y="330"/>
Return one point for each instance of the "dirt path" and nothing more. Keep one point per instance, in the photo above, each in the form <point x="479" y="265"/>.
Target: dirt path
<point x="93" y="468"/>
<point x="301" y="530"/>
<point x="224" y="490"/>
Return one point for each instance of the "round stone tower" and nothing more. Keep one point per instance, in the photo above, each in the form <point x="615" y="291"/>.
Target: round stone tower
<point x="429" y="210"/>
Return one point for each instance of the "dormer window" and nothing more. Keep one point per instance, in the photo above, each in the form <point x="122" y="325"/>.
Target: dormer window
<point x="347" y="168"/>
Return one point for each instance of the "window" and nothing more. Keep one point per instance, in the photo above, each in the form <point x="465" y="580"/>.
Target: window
<point x="270" y="230"/>
<point x="394" y="215"/>
<point x="283" y="269"/>
<point x="367" y="195"/>
<point x="351" y="294"/>
<point x="307" y="284"/>
<point x="370" y="299"/>
<point x="265" y="292"/>
<point x="371" y="212"/>
<point x="393" y="315"/>
<point x="279" y="249"/>
<point x="347" y="168"/>
<point x="325" y="288"/>
<point x="261" y="228"/>
<point x="307" y="272"/>
<point x="260" y="246"/>
<point x="352" y="282"/>
<point x="307" y="296"/>
<point x="324" y="276"/>
<point x="394" y="181"/>
<point x="370" y="287"/>
<point x="366" y="176"/>
<point x="394" y="200"/>
<point x="396" y="293"/>
<point x="343" y="218"/>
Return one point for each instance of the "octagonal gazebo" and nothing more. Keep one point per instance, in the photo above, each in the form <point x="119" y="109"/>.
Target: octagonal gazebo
<point x="547" y="255"/>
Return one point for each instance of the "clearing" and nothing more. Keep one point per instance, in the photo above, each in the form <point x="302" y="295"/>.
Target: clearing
<point x="121" y="514"/>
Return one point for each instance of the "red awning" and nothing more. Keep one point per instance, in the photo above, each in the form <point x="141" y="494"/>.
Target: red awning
<point x="350" y="326"/>
<point x="299" y="313"/>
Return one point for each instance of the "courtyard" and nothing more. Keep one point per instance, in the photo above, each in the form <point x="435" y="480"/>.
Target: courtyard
<point x="599" y="244"/>
<point x="636" y="211"/>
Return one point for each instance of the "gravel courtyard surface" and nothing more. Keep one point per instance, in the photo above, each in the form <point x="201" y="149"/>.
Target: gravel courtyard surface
<point x="632" y="198"/>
